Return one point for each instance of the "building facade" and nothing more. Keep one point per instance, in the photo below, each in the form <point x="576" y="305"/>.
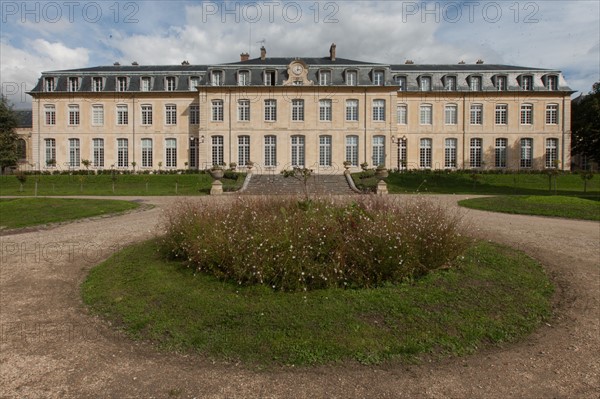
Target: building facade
<point x="307" y="112"/>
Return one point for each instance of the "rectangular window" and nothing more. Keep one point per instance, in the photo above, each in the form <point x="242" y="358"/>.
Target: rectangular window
<point x="378" y="78"/>
<point x="217" y="150"/>
<point x="351" y="78"/>
<point x="98" y="152"/>
<point x="501" y="83"/>
<point x="425" y="83"/>
<point x="73" y="115"/>
<point x="171" y="114"/>
<point x="170" y="83"/>
<point x="475" y="83"/>
<point x="97" y="84"/>
<point x="426" y="114"/>
<point x="401" y="82"/>
<point x="450" y="83"/>
<point x="378" y="155"/>
<point x="402" y="160"/>
<point x="217" y="111"/>
<point x="352" y="150"/>
<point x="324" y="150"/>
<point x="552" y="114"/>
<point x="501" y="114"/>
<point x="194" y="82"/>
<point x="379" y="110"/>
<point x="298" y="151"/>
<point x="243" y="78"/>
<point x="475" y="153"/>
<point x="500" y="152"/>
<point x="216" y="78"/>
<point x="425" y="153"/>
<point x="297" y="110"/>
<point x="121" y="83"/>
<point x="50" y="152"/>
<point x="526" y="152"/>
<point x="50" y="113"/>
<point x="73" y="84"/>
<point x="270" y="78"/>
<point x="49" y="84"/>
<point x="122" y="153"/>
<point x="402" y="113"/>
<point x="352" y="110"/>
<point x="122" y="115"/>
<point x="450" y="153"/>
<point x="552" y="82"/>
<point x="270" y="151"/>
<point x="243" y="110"/>
<point x="146" y="114"/>
<point x="527" y="83"/>
<point x="325" y="110"/>
<point x="97" y="115"/>
<point x="171" y="153"/>
<point x="147" y="153"/>
<point x="451" y="114"/>
<point x="270" y="110"/>
<point x="551" y="153"/>
<point x="526" y="114"/>
<point x="324" y="78"/>
<point x="193" y="152"/>
<point x="243" y="150"/>
<point x="74" y="153"/>
<point x="194" y="115"/>
<point x="476" y="114"/>
<point x="146" y="83"/>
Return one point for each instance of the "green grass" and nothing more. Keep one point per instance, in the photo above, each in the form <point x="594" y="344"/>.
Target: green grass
<point x="23" y="212"/>
<point x="139" y="185"/>
<point x="560" y="206"/>
<point x="487" y="183"/>
<point x="496" y="295"/>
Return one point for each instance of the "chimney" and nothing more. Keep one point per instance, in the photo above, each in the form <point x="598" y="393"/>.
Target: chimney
<point x="117" y="63"/>
<point x="479" y="62"/>
<point x="461" y="62"/>
<point x="244" y="57"/>
<point x="135" y="63"/>
<point x="263" y="53"/>
<point x="185" y="63"/>
<point x="409" y="62"/>
<point x="332" y="52"/>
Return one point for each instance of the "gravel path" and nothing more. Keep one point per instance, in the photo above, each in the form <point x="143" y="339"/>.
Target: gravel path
<point x="52" y="348"/>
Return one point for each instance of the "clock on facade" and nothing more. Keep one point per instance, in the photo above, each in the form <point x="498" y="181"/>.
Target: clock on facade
<point x="297" y="69"/>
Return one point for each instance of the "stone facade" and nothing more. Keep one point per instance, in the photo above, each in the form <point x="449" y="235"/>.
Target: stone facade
<point x="313" y="112"/>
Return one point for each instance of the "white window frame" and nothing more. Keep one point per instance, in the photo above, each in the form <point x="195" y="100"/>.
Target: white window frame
<point x="378" y="150"/>
<point x="49" y="84"/>
<point x="97" y="115"/>
<point x="501" y="114"/>
<point x="122" y="114"/>
<point x="352" y="149"/>
<point x="526" y="152"/>
<point x="425" y="83"/>
<point x="325" y="150"/>
<point x="402" y="114"/>
<point x="379" y="110"/>
<point x="98" y="152"/>
<point x="400" y="82"/>
<point x="475" y="83"/>
<point x="97" y="83"/>
<point x="352" y="110"/>
<point x="270" y="77"/>
<point x="426" y="114"/>
<point x="298" y="150"/>
<point x="147" y="153"/>
<point x="73" y="115"/>
<point x="325" y="110"/>
<point x="500" y="152"/>
<point x="171" y="153"/>
<point x="216" y="78"/>
<point x="170" y="114"/>
<point x="270" y="151"/>
<point x="425" y="153"/>
<point x="450" y="148"/>
<point x="298" y="110"/>
<point x="50" y="114"/>
<point x="351" y="78"/>
<point x="270" y="110"/>
<point x="475" y="152"/>
<point x="501" y="83"/>
<point x="72" y="84"/>
<point x="194" y="82"/>
<point x="145" y="83"/>
<point x="217" y="150"/>
<point x="122" y="153"/>
<point x="194" y="114"/>
<point x="527" y="82"/>
<point x="551" y="114"/>
<point x="170" y="83"/>
<point x="476" y="114"/>
<point x="324" y="78"/>
<point x="243" y="78"/>
<point x="526" y="117"/>
<point x="243" y="150"/>
<point x="451" y="114"/>
<point x="147" y="114"/>
<point x="551" y="152"/>
<point x="217" y="111"/>
<point x="121" y="84"/>
<point x="243" y="110"/>
<point x="50" y="152"/>
<point x="74" y="153"/>
<point x="378" y="78"/>
<point x="450" y="83"/>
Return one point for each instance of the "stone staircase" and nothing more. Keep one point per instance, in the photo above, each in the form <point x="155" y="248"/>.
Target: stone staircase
<point x="276" y="184"/>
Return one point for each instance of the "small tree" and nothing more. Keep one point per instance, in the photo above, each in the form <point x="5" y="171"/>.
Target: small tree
<point x="586" y="176"/>
<point x="86" y="163"/>
<point x="133" y="165"/>
<point x="300" y="174"/>
<point x="8" y="135"/>
<point x="22" y="178"/>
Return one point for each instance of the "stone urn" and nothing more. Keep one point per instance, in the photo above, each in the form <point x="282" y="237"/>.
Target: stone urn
<point x="347" y="164"/>
<point x="381" y="173"/>
<point x="217" y="173"/>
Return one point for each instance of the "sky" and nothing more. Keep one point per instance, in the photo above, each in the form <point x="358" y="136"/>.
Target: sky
<point x="37" y="36"/>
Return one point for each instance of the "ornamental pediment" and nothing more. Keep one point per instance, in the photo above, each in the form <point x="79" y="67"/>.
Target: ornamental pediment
<point x="298" y="74"/>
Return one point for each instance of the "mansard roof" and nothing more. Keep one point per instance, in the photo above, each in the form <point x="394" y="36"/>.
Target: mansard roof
<point x="316" y="61"/>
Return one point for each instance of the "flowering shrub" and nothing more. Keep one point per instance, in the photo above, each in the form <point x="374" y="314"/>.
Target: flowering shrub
<point x="294" y="245"/>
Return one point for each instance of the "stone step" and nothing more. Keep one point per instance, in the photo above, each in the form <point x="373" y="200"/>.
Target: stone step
<point x="271" y="184"/>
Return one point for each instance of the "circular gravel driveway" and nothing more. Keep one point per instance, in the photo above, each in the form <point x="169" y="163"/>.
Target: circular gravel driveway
<point x="52" y="348"/>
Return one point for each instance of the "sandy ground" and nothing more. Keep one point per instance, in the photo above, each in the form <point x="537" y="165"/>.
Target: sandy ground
<point x="52" y="348"/>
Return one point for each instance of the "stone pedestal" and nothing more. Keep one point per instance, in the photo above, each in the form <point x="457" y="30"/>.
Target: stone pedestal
<point x="382" y="188"/>
<point x="217" y="188"/>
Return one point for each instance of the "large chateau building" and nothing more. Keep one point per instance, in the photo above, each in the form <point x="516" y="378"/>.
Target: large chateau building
<point x="301" y="111"/>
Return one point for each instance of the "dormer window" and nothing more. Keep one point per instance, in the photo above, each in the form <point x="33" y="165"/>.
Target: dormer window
<point x="216" y="78"/>
<point x="270" y="78"/>
<point x="526" y="82"/>
<point x="500" y="83"/>
<point x="121" y="83"/>
<point x="475" y="83"/>
<point x="146" y="83"/>
<point x="551" y="82"/>
<point x="351" y="78"/>
<point x="73" y="84"/>
<point x="400" y="82"/>
<point x="49" y="84"/>
<point x="425" y="83"/>
<point x="194" y="82"/>
<point x="450" y="83"/>
<point x="243" y="78"/>
<point x="97" y="84"/>
<point x="170" y="83"/>
<point x="378" y="78"/>
<point x="324" y="78"/>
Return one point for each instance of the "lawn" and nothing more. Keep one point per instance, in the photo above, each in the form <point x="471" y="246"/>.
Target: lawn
<point x="485" y="183"/>
<point x="126" y="184"/>
<point x="494" y="295"/>
<point x="559" y="206"/>
<point x="23" y="212"/>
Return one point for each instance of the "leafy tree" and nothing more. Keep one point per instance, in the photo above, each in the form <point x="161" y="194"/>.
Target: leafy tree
<point x="585" y="124"/>
<point x="8" y="135"/>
